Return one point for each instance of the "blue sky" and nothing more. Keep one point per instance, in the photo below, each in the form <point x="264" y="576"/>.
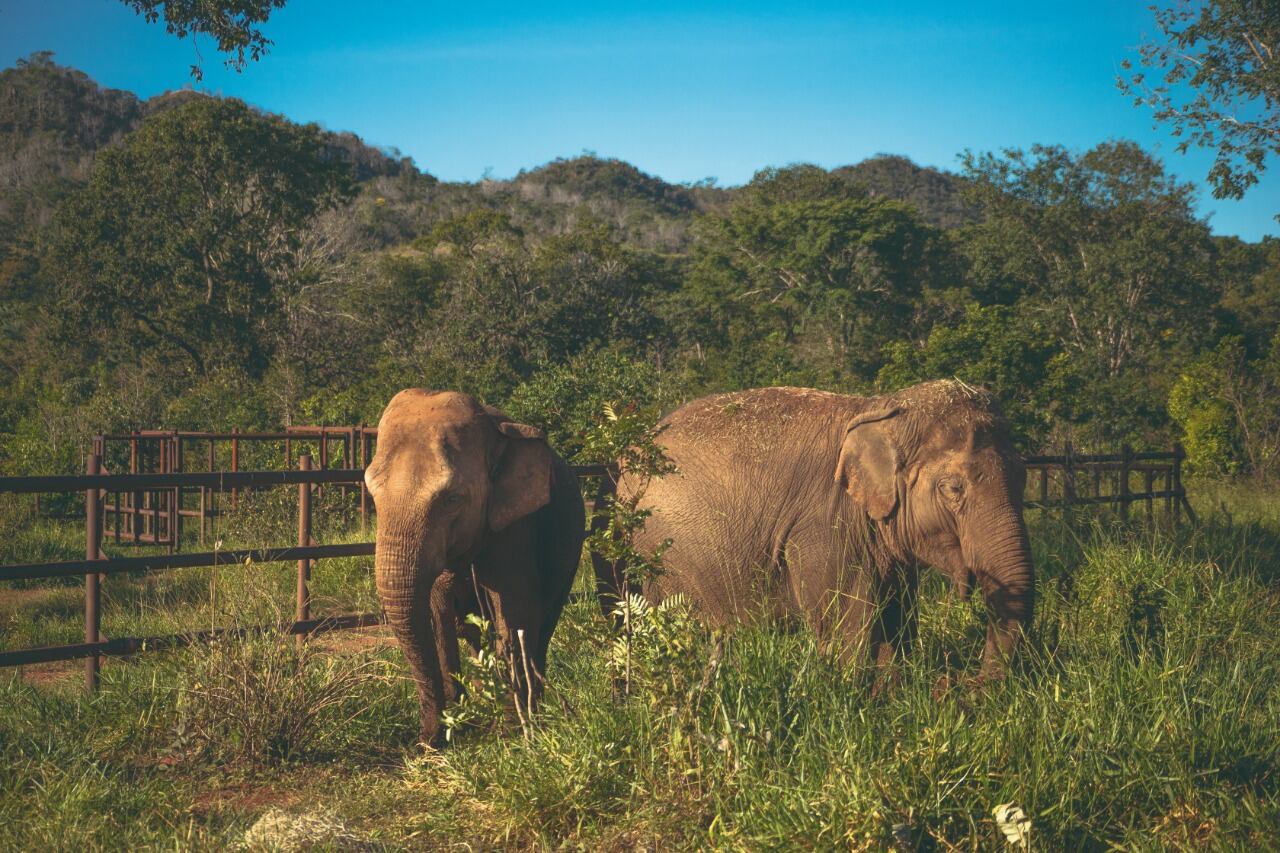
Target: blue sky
<point x="684" y="91"/>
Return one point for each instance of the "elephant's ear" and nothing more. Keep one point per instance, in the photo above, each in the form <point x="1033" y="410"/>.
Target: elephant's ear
<point x="869" y="463"/>
<point x="522" y="478"/>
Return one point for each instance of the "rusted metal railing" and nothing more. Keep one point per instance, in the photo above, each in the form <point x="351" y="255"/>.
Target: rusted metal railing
<point x="1106" y="478"/>
<point x="156" y="517"/>
<point x="96" y="565"/>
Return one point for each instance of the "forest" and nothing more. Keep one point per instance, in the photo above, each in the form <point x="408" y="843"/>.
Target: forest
<point x="190" y="262"/>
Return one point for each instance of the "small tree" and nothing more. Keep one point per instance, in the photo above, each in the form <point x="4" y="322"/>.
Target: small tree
<point x="180" y="242"/>
<point x="1228" y="406"/>
<point x="630" y="436"/>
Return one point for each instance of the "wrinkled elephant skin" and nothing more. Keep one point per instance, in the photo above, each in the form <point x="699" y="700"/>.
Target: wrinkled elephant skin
<point x="803" y="502"/>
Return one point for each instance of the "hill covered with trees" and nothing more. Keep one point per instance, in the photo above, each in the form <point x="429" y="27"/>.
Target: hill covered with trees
<point x="192" y="262"/>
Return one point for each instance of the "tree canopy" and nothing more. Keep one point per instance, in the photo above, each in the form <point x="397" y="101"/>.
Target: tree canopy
<point x="179" y="240"/>
<point x="234" y="25"/>
<point x="1217" y="83"/>
<point x="189" y="262"/>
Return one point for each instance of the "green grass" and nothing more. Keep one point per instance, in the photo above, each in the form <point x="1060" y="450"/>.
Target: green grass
<point x="1141" y="716"/>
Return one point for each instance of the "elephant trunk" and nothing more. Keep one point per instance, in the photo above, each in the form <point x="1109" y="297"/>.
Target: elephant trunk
<point x="404" y="589"/>
<point x="1007" y="577"/>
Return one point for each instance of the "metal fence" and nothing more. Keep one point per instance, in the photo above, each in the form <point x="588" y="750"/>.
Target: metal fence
<point x="97" y="565"/>
<point x="1055" y="483"/>
<point x="1070" y="479"/>
<point x="157" y="516"/>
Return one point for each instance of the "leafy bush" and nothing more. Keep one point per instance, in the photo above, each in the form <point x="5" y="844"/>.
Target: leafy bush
<point x="988" y="346"/>
<point x="1228" y="406"/>
<point x="565" y="400"/>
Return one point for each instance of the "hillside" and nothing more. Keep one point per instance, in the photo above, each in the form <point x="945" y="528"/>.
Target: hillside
<point x="936" y="194"/>
<point x="53" y="119"/>
<point x="172" y="291"/>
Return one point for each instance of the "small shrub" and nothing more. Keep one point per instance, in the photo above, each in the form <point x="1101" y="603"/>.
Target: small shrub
<point x="259" y="700"/>
<point x="486" y="677"/>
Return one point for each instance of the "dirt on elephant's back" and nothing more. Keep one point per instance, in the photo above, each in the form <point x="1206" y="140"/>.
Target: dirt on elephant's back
<point x="756" y="417"/>
<point x="958" y="403"/>
<point x="757" y="414"/>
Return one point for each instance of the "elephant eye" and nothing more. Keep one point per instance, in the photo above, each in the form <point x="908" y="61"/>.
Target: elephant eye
<point x="451" y="499"/>
<point x="951" y="488"/>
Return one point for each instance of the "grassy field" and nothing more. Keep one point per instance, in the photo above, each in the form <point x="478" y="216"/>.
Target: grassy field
<point x="1142" y="716"/>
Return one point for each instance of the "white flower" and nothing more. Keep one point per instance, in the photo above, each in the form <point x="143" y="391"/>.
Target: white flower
<point x="1014" y="823"/>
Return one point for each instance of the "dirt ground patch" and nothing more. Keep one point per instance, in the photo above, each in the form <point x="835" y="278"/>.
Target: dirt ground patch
<point x="16" y="599"/>
<point x="355" y="640"/>
<point x="247" y="797"/>
<point x="58" y="674"/>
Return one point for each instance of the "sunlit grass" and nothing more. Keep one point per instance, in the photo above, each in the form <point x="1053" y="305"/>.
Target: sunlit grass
<point x="1141" y="716"/>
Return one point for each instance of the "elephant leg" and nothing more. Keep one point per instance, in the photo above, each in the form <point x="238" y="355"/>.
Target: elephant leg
<point x="845" y="623"/>
<point x="891" y="617"/>
<point x="470" y="600"/>
<point x="833" y="591"/>
<point x="611" y="581"/>
<point x="519" y="637"/>
<point x="559" y="572"/>
<point x="894" y="627"/>
<point x="507" y="571"/>
<point x="445" y="617"/>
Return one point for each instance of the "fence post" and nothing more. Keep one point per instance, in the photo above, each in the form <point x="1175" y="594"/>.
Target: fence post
<point x="1068" y="481"/>
<point x="1127" y="453"/>
<point x="349" y="456"/>
<point x="135" y="498"/>
<point x="324" y="458"/>
<point x="304" y="541"/>
<point x="1180" y="499"/>
<point x="206" y="516"/>
<point x="92" y="580"/>
<point x="162" y="496"/>
<point x="234" y="465"/>
<point x="364" y="491"/>
<point x="175" y="519"/>
<point x="1150" y="487"/>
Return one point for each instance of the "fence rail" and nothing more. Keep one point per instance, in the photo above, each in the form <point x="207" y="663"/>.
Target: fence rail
<point x="1067" y="480"/>
<point x="97" y="565"/>
<point x="1055" y="482"/>
<point x="155" y="514"/>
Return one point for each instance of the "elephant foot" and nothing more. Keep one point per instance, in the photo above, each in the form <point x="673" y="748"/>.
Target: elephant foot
<point x="967" y="686"/>
<point x="887" y="680"/>
<point x="433" y="741"/>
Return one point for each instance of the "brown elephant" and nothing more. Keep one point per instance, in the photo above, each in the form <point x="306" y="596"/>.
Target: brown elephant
<point x="796" y="501"/>
<point x="471" y="506"/>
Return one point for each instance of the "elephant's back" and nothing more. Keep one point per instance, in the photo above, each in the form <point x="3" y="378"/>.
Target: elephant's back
<point x="754" y="432"/>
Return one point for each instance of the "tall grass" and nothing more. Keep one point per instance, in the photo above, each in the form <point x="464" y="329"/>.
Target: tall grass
<point x="1142" y="715"/>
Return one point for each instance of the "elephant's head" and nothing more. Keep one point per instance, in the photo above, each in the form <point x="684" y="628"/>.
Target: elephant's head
<point x="449" y="474"/>
<point x="933" y="466"/>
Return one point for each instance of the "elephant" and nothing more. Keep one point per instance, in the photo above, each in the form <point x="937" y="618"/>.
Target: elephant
<point x="473" y="509"/>
<point x="795" y="502"/>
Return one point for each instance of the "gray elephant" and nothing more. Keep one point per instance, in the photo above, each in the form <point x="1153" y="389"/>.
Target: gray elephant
<point x="796" y="501"/>
<point x="471" y="506"/>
